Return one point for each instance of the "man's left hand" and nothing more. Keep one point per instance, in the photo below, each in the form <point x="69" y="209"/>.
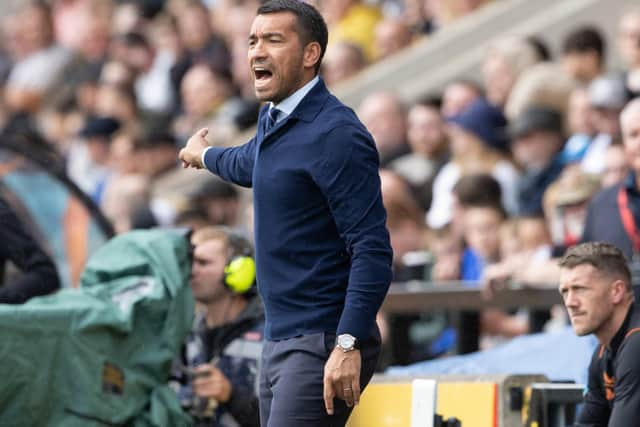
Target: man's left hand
<point x="342" y="378"/>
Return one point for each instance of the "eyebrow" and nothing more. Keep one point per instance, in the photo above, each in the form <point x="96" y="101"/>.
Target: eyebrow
<point x="266" y="35"/>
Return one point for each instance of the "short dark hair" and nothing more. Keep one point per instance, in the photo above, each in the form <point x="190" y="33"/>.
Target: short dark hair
<point x="584" y="40"/>
<point x="310" y="24"/>
<point x="604" y="257"/>
<point x="478" y="190"/>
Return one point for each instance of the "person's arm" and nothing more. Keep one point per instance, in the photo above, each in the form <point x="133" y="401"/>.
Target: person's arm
<point x="38" y="273"/>
<point x="234" y="164"/>
<point x="349" y="179"/>
<point x="595" y="410"/>
<point x="351" y="184"/>
<point x="626" y="401"/>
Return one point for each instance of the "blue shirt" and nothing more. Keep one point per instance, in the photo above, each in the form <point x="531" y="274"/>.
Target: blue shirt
<point x="322" y="248"/>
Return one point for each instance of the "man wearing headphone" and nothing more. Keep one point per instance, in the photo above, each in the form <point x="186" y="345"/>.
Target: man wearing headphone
<point x="222" y="353"/>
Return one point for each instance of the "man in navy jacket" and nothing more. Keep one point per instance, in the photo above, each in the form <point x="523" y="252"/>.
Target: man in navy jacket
<point x="322" y="249"/>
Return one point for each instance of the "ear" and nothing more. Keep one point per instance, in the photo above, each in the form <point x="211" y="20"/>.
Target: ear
<point x="311" y="55"/>
<point x="618" y="291"/>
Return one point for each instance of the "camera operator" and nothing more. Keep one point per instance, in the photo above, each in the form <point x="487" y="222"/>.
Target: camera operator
<point x="220" y="360"/>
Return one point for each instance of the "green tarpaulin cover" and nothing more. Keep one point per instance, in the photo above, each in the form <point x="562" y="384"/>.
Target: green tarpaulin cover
<point x="101" y="354"/>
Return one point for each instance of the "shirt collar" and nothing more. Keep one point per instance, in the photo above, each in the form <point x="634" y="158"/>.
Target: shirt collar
<point x="290" y="103"/>
<point x="617" y="339"/>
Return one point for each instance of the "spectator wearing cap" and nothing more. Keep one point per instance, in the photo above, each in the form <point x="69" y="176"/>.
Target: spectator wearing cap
<point x="478" y="144"/>
<point x="536" y="139"/>
<point x="608" y="96"/>
<point x="88" y="162"/>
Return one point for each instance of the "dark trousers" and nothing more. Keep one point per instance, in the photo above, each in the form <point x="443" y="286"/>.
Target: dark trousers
<point x="291" y="380"/>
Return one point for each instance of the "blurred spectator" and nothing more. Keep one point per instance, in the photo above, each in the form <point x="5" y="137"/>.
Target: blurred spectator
<point x="385" y="117"/>
<point x="208" y="100"/>
<point x="629" y="46"/>
<point x="127" y="18"/>
<point x="616" y="166"/>
<point x="608" y="96"/>
<point x="157" y="153"/>
<point x="391" y="36"/>
<point x="220" y="202"/>
<point x="406" y="227"/>
<point x="535" y="264"/>
<point x="37" y="273"/>
<point x="83" y="26"/>
<point x="36" y="50"/>
<point x="544" y="84"/>
<point x="152" y="83"/>
<point x="352" y="21"/>
<point x="127" y="189"/>
<point x="342" y="61"/>
<point x="426" y="135"/>
<point x="613" y="213"/>
<point x="239" y="17"/>
<point x="580" y="124"/>
<point x="119" y="102"/>
<point x="417" y="15"/>
<point x="565" y="206"/>
<point x="482" y="234"/>
<point x="536" y="139"/>
<point x="446" y="248"/>
<point x="478" y="145"/>
<point x="192" y="218"/>
<point x="457" y="96"/>
<point x="88" y="163"/>
<point x="470" y="191"/>
<point x="505" y="60"/>
<point x="201" y="43"/>
<point x="583" y="54"/>
<point x="116" y="73"/>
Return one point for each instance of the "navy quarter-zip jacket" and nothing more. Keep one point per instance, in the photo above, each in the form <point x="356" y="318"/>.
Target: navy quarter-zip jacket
<point x="322" y="248"/>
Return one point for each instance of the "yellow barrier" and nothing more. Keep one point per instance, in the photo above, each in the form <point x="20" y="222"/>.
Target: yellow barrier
<point x="477" y="401"/>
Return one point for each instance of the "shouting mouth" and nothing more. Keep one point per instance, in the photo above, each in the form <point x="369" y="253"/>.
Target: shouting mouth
<point x="262" y="75"/>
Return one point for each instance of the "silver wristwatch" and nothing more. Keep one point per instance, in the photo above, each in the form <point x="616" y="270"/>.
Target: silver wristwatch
<point x="346" y="342"/>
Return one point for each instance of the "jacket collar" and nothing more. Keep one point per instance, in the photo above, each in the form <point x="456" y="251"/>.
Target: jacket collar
<point x="312" y="103"/>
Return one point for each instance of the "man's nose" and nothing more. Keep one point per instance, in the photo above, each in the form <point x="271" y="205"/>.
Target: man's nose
<point x="571" y="300"/>
<point x="257" y="51"/>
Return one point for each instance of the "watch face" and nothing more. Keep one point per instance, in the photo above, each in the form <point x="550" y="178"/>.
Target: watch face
<point x="346" y="341"/>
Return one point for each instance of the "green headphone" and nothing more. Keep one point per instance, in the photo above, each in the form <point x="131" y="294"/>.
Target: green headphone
<point x="240" y="271"/>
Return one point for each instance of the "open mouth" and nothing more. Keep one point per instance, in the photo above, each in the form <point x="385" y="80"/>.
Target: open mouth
<point x="262" y="74"/>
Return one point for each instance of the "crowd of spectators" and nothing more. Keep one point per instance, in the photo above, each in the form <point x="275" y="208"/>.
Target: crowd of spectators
<point x="483" y="181"/>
